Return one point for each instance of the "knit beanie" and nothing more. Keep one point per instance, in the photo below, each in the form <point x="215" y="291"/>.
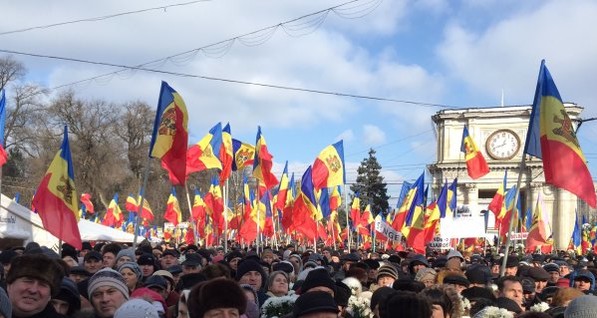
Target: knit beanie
<point x="214" y="294"/>
<point x="5" y="305"/>
<point x="107" y="277"/>
<point x="318" y="277"/>
<point x="387" y="270"/>
<point x="129" y="252"/>
<point x="248" y="266"/>
<point x="38" y="266"/>
<point x="136" y="308"/>
<point x="133" y="267"/>
<point x="582" y="307"/>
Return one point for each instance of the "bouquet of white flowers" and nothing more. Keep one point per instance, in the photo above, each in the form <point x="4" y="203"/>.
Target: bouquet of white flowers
<point x="359" y="307"/>
<point x="540" y="307"/>
<point x="275" y="307"/>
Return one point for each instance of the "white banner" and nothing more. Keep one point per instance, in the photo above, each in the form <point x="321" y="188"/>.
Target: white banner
<point x="519" y="236"/>
<point x="388" y="231"/>
<point x="440" y="243"/>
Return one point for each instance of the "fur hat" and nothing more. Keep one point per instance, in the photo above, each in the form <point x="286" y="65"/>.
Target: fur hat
<point x="582" y="307"/>
<point x="5" y="305"/>
<point x="107" y="277"/>
<point x="426" y="273"/>
<point x="387" y="270"/>
<point x="136" y="308"/>
<point x="38" y="266"/>
<point x="213" y="294"/>
<point x="314" y="302"/>
<point x="318" y="277"/>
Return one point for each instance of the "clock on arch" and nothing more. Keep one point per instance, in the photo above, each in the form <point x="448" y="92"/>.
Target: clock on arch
<point x="502" y="144"/>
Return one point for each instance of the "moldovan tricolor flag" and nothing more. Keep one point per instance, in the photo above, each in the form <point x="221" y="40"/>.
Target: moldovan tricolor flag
<point x="263" y="162"/>
<point x="476" y="165"/>
<point x="204" y="154"/>
<point x="173" y="213"/>
<point x="3" y="156"/>
<point x="328" y="168"/>
<point x="170" y="134"/>
<point x="552" y="138"/>
<point x="56" y="198"/>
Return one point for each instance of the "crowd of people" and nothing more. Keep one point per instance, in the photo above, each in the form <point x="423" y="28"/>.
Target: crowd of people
<point x="113" y="280"/>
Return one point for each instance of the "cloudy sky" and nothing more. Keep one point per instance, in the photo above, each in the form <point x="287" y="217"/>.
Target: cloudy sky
<point x="430" y="52"/>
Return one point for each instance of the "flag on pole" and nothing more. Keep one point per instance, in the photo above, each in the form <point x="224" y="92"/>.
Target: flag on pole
<point x="173" y="213"/>
<point x="476" y="165"/>
<point x="56" y="198"/>
<point x="263" y="162"/>
<point x="497" y="202"/>
<point x="113" y="215"/>
<point x="170" y="134"/>
<point x="226" y="154"/>
<point x="244" y="154"/>
<point x="552" y="138"/>
<point x="3" y="155"/>
<point x="328" y="168"/>
<point x="305" y="207"/>
<point x="204" y="154"/>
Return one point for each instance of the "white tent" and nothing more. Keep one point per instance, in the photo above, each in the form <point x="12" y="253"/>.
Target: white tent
<point x="18" y="223"/>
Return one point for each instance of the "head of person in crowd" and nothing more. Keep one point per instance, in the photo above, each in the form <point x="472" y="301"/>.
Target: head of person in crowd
<point x="278" y="284"/>
<point x="427" y="276"/>
<point x="78" y="274"/>
<point x="445" y="301"/>
<point x="416" y="263"/>
<point x="69" y="255"/>
<point x="511" y="287"/>
<point x="182" y="311"/>
<point x="348" y="260"/>
<point x="232" y="258"/>
<point x="457" y="281"/>
<point x="379" y="297"/>
<point x="192" y="263"/>
<point x="563" y="296"/>
<point x="109" y="252"/>
<point x="169" y="258"/>
<point x="216" y="298"/>
<point x="478" y="275"/>
<point x="251" y="272"/>
<point x="583" y="280"/>
<point x="216" y="270"/>
<point x="342" y="295"/>
<point x="286" y="267"/>
<point x="147" y="264"/>
<point x="6" y="257"/>
<point x="357" y="271"/>
<point x="267" y="256"/>
<point x="564" y="267"/>
<point x="31" y="282"/>
<point x="528" y="291"/>
<point x="553" y="270"/>
<point x="373" y="265"/>
<point x="582" y="307"/>
<point x="107" y="291"/>
<point x="406" y="304"/>
<point x="176" y="272"/>
<point x="319" y="279"/>
<point x="189" y="280"/>
<point x="315" y="304"/>
<point x="158" y="284"/>
<point x="157" y="251"/>
<point x="93" y="261"/>
<point x="125" y="255"/>
<point x="137" y="308"/>
<point x="297" y="263"/>
<point x="68" y="299"/>
<point x="151" y="296"/>
<point x="509" y="305"/>
<point x="386" y="275"/>
<point x="132" y="275"/>
<point x="191" y="248"/>
<point x="540" y="276"/>
<point x="511" y="265"/>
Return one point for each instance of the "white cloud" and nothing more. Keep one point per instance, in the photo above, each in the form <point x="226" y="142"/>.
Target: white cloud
<point x="347" y="135"/>
<point x="373" y="135"/>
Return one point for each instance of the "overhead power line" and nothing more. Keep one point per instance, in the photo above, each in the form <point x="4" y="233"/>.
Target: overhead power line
<point x="234" y="81"/>
<point x="47" y="26"/>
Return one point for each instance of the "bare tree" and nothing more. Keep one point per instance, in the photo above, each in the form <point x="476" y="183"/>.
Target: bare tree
<point x="10" y="70"/>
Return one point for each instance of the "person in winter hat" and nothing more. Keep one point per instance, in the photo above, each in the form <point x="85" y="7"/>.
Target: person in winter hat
<point x="5" y="306"/>
<point x="218" y="296"/>
<point x="582" y="307"/>
<point x="68" y="299"/>
<point x="31" y="282"/>
<point x="107" y="292"/>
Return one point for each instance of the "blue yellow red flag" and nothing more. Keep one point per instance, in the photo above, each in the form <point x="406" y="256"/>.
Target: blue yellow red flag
<point x="86" y="201"/>
<point x="56" y="198"/>
<point x="131" y="204"/>
<point x="173" y="213"/>
<point x="551" y="137"/>
<point x="113" y="215"/>
<point x="280" y="199"/>
<point x="205" y="154"/>
<point x="170" y="135"/>
<point x="3" y="156"/>
<point x="199" y="209"/>
<point x="226" y="154"/>
<point x="263" y="162"/>
<point x="328" y="168"/>
<point x="243" y="155"/>
<point x="476" y="165"/>
<point x="305" y="207"/>
<point x="497" y="202"/>
<point x="418" y="199"/>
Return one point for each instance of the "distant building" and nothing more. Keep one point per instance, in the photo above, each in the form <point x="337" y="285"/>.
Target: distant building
<point x="500" y="134"/>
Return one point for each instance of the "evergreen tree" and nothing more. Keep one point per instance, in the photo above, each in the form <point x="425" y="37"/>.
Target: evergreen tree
<point x="370" y="185"/>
